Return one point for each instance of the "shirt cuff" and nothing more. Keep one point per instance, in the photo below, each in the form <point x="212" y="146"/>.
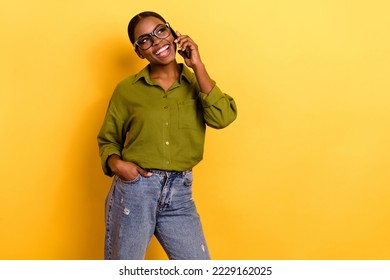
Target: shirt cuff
<point x="107" y="170"/>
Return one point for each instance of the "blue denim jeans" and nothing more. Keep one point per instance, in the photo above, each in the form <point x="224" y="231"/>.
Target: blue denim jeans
<point x="161" y="205"/>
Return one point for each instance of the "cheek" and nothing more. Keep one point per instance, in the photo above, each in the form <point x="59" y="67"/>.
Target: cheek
<point x="140" y="55"/>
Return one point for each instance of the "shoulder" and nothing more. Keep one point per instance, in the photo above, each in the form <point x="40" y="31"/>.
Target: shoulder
<point x="129" y="85"/>
<point x="133" y="80"/>
<point x="126" y="84"/>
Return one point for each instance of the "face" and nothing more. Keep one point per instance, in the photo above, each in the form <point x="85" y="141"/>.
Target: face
<point x="162" y="51"/>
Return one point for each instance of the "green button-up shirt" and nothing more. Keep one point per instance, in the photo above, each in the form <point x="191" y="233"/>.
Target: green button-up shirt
<point x="160" y="129"/>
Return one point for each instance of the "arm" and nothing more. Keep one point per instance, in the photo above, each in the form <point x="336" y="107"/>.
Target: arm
<point x="219" y="109"/>
<point x="194" y="61"/>
<point x="111" y="139"/>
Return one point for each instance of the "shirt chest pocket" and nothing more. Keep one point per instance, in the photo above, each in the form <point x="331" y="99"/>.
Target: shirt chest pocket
<point x="190" y="115"/>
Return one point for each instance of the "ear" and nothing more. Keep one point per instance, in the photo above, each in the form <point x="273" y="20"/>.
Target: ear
<point x="139" y="53"/>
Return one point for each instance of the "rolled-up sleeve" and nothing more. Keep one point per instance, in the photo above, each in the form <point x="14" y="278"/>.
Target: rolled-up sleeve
<point x="111" y="137"/>
<point x="219" y="109"/>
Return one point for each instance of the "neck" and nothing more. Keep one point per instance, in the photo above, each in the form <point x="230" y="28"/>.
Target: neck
<point x="169" y="71"/>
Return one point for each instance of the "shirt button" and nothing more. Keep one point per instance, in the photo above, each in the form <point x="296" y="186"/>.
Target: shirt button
<point x="165" y="96"/>
<point x="167" y="123"/>
<point x="166" y="107"/>
<point x="167" y="143"/>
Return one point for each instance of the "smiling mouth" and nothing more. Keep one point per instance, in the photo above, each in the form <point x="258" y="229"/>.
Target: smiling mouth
<point x="162" y="50"/>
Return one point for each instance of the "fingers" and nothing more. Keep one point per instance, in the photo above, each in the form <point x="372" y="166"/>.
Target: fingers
<point x="132" y="176"/>
<point x="128" y="171"/>
<point x="185" y="53"/>
<point x="185" y="42"/>
<point x="144" y="173"/>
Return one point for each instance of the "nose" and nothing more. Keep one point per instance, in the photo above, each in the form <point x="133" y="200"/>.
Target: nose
<point x="156" y="40"/>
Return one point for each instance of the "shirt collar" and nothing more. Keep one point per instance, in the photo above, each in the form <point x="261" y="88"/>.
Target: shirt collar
<point x="185" y="73"/>
<point x="145" y="74"/>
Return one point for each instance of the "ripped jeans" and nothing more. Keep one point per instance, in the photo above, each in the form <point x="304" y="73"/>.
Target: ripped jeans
<point x="162" y="205"/>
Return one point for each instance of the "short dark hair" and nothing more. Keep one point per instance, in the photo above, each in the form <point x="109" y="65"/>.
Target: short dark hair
<point x="136" y="19"/>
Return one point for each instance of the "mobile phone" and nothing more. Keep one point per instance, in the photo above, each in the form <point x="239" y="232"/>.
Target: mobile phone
<point x="186" y="53"/>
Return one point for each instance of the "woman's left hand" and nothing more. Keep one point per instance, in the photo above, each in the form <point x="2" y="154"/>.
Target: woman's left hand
<point x="186" y="44"/>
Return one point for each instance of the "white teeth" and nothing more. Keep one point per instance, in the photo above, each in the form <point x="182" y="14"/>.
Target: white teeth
<point x="162" y="49"/>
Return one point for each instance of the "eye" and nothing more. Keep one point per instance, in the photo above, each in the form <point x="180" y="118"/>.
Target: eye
<point x="143" y="40"/>
<point x="162" y="30"/>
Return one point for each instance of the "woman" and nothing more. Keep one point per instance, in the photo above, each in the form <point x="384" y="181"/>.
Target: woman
<point x="151" y="138"/>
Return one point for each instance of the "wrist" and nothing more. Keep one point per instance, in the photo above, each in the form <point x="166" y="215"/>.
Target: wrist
<point x="199" y="67"/>
<point x="203" y="78"/>
<point x="112" y="162"/>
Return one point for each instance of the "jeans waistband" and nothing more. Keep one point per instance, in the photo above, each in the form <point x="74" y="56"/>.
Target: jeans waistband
<point x="165" y="172"/>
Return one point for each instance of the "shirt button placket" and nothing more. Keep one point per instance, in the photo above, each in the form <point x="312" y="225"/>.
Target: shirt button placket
<point x="166" y="134"/>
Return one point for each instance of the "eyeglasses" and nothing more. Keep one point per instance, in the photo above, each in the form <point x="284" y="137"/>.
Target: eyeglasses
<point x="161" y="31"/>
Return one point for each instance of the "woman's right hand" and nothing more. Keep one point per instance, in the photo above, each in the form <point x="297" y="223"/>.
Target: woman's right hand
<point x="125" y="170"/>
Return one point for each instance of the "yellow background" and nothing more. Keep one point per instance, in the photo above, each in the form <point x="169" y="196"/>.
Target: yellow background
<point x="302" y="174"/>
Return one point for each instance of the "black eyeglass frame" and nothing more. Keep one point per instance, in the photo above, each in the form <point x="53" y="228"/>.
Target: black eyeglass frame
<point x="150" y="35"/>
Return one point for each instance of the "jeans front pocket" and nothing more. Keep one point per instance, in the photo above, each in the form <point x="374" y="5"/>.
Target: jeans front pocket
<point x="126" y="182"/>
<point x="187" y="179"/>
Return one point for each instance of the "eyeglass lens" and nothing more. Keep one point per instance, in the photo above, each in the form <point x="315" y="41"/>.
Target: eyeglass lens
<point x="146" y="41"/>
